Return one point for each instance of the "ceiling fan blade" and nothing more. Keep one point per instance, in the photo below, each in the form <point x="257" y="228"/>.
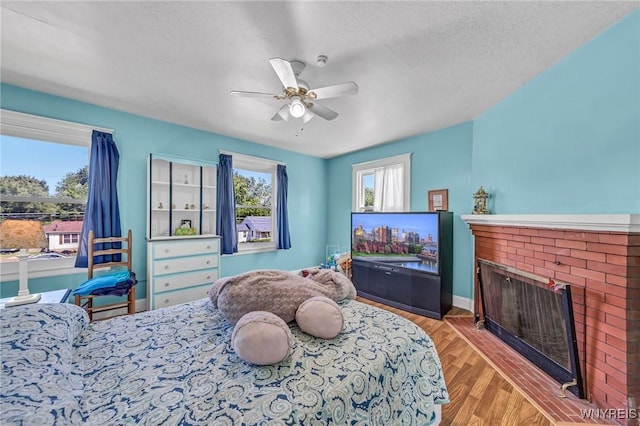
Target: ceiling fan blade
<point x="254" y="94"/>
<point x="342" y="89"/>
<point x="308" y="115"/>
<point x="284" y="71"/>
<point x="323" y="111"/>
<point x="282" y="114"/>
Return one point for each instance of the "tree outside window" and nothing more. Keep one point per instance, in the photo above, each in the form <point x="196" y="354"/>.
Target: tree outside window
<point x="253" y="195"/>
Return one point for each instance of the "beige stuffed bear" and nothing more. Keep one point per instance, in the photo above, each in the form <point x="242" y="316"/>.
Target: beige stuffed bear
<point x="262" y="302"/>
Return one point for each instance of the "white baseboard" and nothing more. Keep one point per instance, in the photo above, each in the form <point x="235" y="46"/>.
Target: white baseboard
<point x="141" y="305"/>
<point x="462" y="302"/>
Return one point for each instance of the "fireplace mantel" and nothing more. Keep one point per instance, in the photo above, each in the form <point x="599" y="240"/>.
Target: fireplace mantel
<point x="585" y="222"/>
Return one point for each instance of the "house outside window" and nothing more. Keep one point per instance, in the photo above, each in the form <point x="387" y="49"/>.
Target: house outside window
<point x="254" y="181"/>
<point x="382" y="185"/>
<point x="70" y="238"/>
<point x="53" y="192"/>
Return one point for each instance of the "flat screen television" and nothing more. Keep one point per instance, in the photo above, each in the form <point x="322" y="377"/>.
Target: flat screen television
<point x="406" y="239"/>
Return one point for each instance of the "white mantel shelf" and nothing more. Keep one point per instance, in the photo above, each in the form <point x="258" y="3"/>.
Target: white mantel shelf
<point x="584" y="222"/>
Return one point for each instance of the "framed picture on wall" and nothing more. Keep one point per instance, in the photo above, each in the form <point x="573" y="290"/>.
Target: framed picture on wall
<point x="438" y="199"/>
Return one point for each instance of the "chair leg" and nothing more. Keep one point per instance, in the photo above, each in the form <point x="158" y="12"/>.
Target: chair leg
<point x="132" y="301"/>
<point x="88" y="305"/>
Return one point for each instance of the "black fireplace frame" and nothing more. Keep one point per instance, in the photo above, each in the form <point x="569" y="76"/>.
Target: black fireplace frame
<point x="542" y="361"/>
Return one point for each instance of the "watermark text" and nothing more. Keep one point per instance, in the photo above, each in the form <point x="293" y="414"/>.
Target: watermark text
<point x="609" y="413"/>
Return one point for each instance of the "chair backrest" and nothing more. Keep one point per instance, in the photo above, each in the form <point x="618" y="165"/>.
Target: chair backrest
<point x="96" y="248"/>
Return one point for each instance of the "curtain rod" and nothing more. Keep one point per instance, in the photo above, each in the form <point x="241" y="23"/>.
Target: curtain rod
<point x="237" y="154"/>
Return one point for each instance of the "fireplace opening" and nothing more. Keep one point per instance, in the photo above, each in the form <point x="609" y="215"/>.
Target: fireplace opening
<point x="534" y="317"/>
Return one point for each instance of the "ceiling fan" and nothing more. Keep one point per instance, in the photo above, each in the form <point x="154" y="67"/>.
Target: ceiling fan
<point x="300" y="99"/>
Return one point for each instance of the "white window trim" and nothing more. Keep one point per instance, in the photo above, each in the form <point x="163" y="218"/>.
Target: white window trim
<point x="358" y="169"/>
<point x="27" y="126"/>
<point x="248" y="162"/>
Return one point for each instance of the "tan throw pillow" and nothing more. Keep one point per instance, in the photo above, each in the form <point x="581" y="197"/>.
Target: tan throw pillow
<point x="262" y="338"/>
<point x="320" y="317"/>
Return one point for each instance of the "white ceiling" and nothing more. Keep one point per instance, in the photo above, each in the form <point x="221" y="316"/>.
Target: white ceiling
<point x="420" y="65"/>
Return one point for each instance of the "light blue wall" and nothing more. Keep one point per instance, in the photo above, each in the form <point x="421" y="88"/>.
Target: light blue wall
<point x="568" y="141"/>
<point x="439" y="160"/>
<point x="137" y="136"/>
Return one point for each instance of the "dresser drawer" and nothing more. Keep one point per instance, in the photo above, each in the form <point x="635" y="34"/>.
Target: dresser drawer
<point x="185" y="248"/>
<point x="176" y="297"/>
<point x="180" y="281"/>
<point x="174" y="266"/>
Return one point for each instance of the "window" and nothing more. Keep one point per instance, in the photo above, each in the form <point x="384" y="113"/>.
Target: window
<point x="382" y="185"/>
<point x="49" y="185"/>
<point x="70" y="239"/>
<point x="254" y="184"/>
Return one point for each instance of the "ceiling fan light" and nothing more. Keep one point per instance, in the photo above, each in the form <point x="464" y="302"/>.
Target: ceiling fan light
<point x="297" y="108"/>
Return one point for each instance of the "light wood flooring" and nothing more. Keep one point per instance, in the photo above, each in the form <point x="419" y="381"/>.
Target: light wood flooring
<point x="479" y="395"/>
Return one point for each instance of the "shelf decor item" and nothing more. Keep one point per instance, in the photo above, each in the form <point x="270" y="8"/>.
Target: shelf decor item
<point x="480" y="201"/>
<point x="22" y="235"/>
<point x="438" y="200"/>
<point x="183" y="231"/>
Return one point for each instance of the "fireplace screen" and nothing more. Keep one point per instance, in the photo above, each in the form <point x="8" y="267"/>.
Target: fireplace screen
<point x="531" y="317"/>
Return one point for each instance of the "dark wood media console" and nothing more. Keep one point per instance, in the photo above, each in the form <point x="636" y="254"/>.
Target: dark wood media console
<point x="410" y="289"/>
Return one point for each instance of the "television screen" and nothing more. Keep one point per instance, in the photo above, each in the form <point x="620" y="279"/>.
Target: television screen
<point x="408" y="239"/>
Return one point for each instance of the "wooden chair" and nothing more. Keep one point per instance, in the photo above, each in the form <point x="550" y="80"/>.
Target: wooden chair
<point x="94" y="250"/>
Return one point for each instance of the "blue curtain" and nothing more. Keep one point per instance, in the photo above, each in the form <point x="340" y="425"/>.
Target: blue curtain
<point x="284" y="240"/>
<point x="226" y="206"/>
<point x="102" y="213"/>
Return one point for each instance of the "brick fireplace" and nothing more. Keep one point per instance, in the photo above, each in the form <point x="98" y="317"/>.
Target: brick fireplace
<point x="599" y="255"/>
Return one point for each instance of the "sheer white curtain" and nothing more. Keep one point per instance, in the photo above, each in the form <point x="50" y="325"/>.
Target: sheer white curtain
<point x="387" y="181"/>
<point x="389" y="189"/>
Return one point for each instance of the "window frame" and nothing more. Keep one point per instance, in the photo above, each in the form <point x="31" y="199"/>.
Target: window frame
<point x="34" y="127"/>
<point x="360" y="170"/>
<point x="260" y="165"/>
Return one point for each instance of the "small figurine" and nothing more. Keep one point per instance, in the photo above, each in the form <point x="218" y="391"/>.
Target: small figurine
<point x="186" y="180"/>
<point x="186" y="206"/>
<point x="480" y="202"/>
<point x="192" y="206"/>
<point x="160" y="206"/>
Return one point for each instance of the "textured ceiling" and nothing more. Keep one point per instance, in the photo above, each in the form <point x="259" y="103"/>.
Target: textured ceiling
<point x="420" y="65"/>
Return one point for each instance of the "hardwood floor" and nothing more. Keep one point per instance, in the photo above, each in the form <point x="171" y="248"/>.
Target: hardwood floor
<point x="479" y="395"/>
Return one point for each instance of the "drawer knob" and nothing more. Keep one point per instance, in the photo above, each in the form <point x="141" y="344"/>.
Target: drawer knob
<point x="208" y="247"/>
<point x="167" y="284"/>
<point x="166" y="301"/>
<point x="166" y="267"/>
<point x="166" y="250"/>
<point x="208" y="277"/>
<point x="208" y="262"/>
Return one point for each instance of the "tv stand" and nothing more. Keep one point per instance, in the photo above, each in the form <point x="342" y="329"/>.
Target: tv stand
<point x="403" y="288"/>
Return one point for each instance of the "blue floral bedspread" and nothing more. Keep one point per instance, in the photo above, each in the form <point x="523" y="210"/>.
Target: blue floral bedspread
<point x="175" y="366"/>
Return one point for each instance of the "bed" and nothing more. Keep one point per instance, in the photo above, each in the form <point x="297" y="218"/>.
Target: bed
<point x="175" y="366"/>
